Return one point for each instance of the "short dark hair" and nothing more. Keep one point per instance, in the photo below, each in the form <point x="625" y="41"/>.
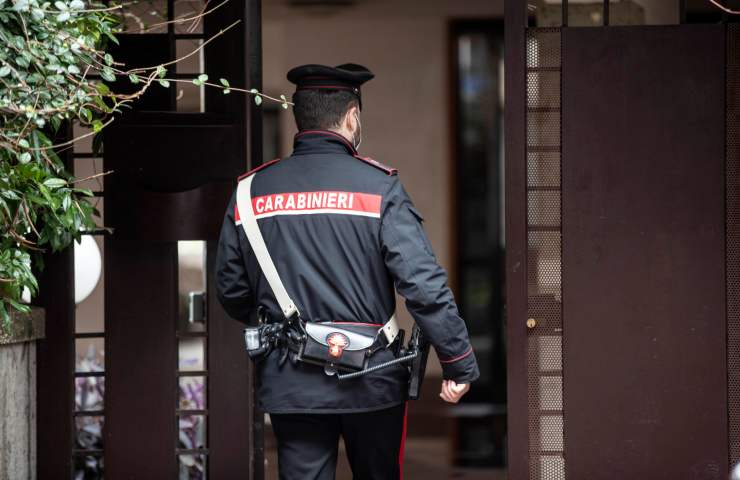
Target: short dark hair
<point x="321" y="109"/>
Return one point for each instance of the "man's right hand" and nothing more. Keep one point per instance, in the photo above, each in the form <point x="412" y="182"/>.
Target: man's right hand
<point x="452" y="392"/>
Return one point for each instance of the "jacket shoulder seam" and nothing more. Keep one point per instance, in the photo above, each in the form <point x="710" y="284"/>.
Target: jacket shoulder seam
<point x="371" y="161"/>
<point x="257" y="169"/>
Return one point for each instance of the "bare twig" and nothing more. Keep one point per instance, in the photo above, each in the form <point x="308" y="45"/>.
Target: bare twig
<point x="202" y="45"/>
<point x="723" y="8"/>
<point x="102" y="174"/>
<point x="28" y="217"/>
<point x="70" y="142"/>
<point x="87" y="10"/>
<point x="28" y="122"/>
<point x="202" y="14"/>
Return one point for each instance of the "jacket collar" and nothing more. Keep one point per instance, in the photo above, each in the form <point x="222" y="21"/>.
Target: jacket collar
<point x="321" y="141"/>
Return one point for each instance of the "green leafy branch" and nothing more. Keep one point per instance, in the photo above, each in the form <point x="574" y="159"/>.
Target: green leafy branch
<point x="51" y="59"/>
<point x="224" y="85"/>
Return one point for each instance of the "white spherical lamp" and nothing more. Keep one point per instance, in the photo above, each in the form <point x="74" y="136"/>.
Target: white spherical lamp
<point x="88" y="266"/>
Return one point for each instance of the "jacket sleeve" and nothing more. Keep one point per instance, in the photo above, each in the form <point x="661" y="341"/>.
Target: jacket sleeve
<point x="232" y="282"/>
<point x="423" y="284"/>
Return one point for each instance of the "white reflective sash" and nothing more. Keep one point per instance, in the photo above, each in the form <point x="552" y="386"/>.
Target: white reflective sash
<point x="249" y="223"/>
<point x="257" y="242"/>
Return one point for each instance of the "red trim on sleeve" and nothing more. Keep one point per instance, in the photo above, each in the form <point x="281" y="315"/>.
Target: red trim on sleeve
<point x="459" y="357"/>
<point x="257" y="169"/>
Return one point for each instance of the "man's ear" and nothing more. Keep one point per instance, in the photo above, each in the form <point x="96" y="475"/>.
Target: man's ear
<point x="350" y="119"/>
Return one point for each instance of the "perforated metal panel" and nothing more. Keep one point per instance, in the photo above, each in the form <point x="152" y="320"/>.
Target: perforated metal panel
<point x="544" y="301"/>
<point x="732" y="166"/>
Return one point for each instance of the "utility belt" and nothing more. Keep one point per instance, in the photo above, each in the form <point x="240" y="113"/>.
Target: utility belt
<point x="342" y="348"/>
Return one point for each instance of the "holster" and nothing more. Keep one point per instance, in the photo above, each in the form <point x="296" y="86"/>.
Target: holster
<point x="419" y="364"/>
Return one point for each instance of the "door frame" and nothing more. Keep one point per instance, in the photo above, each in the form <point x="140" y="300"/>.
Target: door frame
<point x="515" y="24"/>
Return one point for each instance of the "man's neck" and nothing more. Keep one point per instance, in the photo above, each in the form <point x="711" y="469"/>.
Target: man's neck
<point x="343" y="132"/>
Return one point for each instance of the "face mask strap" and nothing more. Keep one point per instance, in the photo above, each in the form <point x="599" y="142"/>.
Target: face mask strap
<point x="359" y="128"/>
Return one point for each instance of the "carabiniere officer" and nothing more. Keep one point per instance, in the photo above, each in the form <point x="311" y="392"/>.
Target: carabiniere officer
<point x="344" y="236"/>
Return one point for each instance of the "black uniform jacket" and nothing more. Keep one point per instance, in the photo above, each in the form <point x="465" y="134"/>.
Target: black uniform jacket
<point x="342" y="232"/>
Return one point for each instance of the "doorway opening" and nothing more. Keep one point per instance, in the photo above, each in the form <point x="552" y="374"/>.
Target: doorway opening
<point x="477" y="61"/>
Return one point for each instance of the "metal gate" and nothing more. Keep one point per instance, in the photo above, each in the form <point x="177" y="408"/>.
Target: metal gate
<point x="622" y="249"/>
<point x="175" y="159"/>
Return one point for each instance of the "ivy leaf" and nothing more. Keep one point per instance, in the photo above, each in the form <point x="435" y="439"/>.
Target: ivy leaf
<point x="21" y="6"/>
<point x="224" y="82"/>
<point x="63" y="17"/>
<point x="203" y="77"/>
<point x="25" y="157"/>
<point x="76" y="5"/>
<point x="197" y="82"/>
<point x="4" y="71"/>
<point x="161" y="71"/>
<point x="133" y="78"/>
<point x="108" y="75"/>
<point x="61" y="6"/>
<point x="257" y="97"/>
<point x="164" y="83"/>
<point x="97" y="144"/>
<point x="9" y="194"/>
<point x="4" y="315"/>
<point x="108" y="58"/>
<point x="86" y="114"/>
<point x="226" y="91"/>
<point x="97" y="125"/>
<point x="55" y="182"/>
<point x="101" y="104"/>
<point x="73" y="69"/>
<point x="112" y="38"/>
<point x="285" y="102"/>
<point x="83" y="191"/>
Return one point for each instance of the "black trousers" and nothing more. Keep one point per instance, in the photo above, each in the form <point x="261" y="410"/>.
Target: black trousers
<point x="308" y="443"/>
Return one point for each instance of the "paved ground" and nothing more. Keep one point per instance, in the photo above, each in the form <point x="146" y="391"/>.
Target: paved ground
<point x="426" y="458"/>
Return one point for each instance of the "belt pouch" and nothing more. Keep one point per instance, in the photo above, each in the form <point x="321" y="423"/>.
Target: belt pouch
<point x="329" y="344"/>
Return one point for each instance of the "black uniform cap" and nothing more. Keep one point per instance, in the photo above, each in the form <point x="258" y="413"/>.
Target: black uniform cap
<point x="348" y="76"/>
